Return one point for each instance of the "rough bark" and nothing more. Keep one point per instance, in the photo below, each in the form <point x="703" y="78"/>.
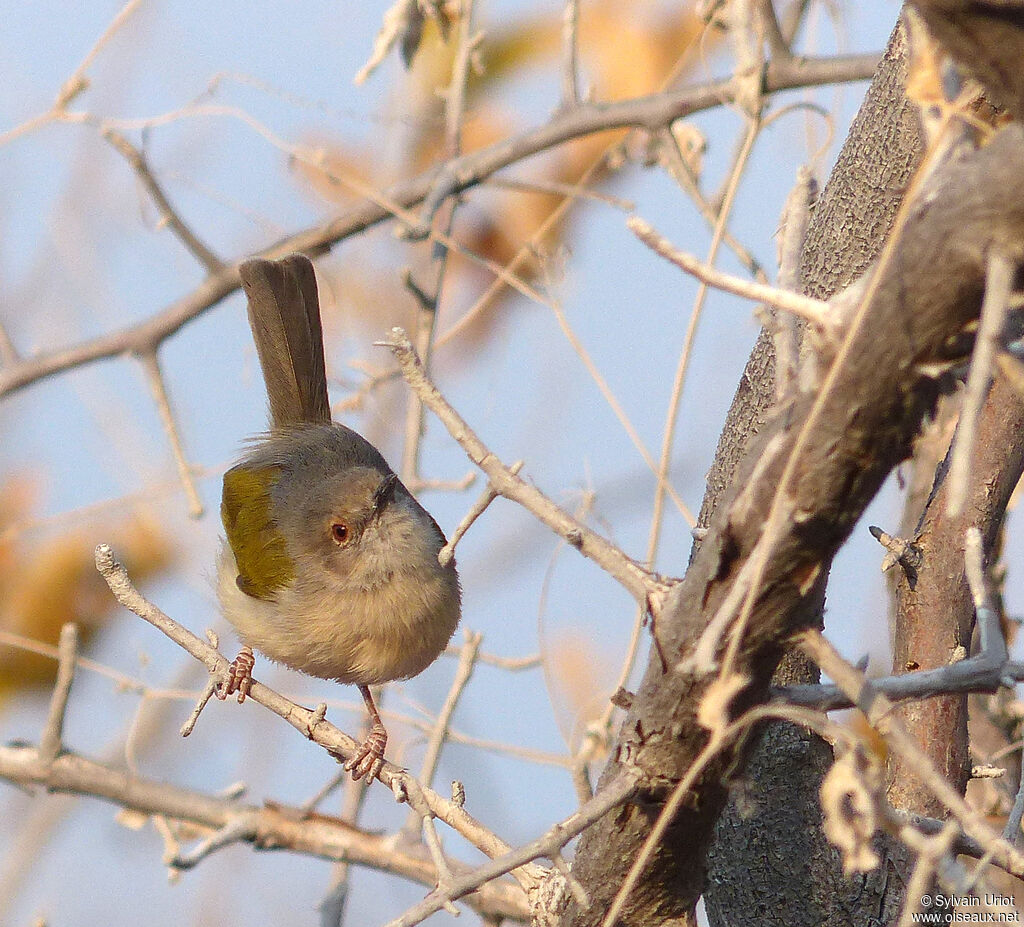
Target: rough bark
<point x="827" y="455"/>
<point x="935" y="611"/>
<point x="770" y="859"/>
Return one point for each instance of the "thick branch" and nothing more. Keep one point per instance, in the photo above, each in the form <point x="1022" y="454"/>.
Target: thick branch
<point x="934" y="609"/>
<point x="821" y="460"/>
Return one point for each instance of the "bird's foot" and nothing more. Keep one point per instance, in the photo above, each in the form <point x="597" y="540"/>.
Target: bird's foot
<point x="370" y="758"/>
<point x="240" y="676"/>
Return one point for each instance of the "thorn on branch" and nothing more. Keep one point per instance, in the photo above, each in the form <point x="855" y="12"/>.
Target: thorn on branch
<point x="899" y="550"/>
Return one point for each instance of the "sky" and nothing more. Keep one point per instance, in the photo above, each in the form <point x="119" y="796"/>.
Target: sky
<point x="82" y="254"/>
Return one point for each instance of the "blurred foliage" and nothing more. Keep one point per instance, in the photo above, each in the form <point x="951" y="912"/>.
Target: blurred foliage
<point x="47" y="582"/>
<point x="582" y="679"/>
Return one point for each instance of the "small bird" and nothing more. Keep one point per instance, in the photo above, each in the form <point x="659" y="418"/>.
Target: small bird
<point x="330" y="566"/>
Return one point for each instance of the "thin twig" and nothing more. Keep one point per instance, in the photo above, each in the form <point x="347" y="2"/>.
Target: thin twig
<point x="208" y="692"/>
<point x="806" y="307"/>
<point x="439" y="733"/>
<point x="574" y="191"/>
<point x="679" y="169"/>
<point x="606" y="391"/>
<point x="998" y="286"/>
<point x="515" y="664"/>
<point x="77" y="82"/>
<point x="641" y="583"/>
<point x="419" y="810"/>
<point x="933" y="851"/>
<point x="428" y="300"/>
<point x="124" y="682"/>
<point x="796" y="214"/>
<point x="990" y="631"/>
<point x="777" y="43"/>
<point x="614" y="794"/>
<point x="168" y="214"/>
<point x="158" y="390"/>
<point x="332" y="906"/>
<point x="240" y="829"/>
<point x="52" y="739"/>
<point x="8" y="352"/>
<point x="446" y="553"/>
<point x="1012" y="830"/>
<point x="570" y="55"/>
<point x="578" y="891"/>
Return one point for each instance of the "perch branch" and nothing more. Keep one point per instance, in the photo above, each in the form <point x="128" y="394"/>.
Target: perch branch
<point x="641" y="583"/>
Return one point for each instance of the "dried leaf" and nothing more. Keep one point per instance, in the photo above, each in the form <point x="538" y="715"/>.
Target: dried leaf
<point x="848" y="801"/>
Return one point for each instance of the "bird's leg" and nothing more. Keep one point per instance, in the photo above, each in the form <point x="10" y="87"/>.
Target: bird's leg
<point x="370" y="758"/>
<point x="240" y="678"/>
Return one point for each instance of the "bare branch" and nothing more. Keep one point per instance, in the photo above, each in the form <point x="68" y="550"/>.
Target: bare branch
<point x="168" y="214"/>
<point x="640" y="582"/>
<point x="614" y="794"/>
<point x="489" y="494"/>
<point x="51" y="741"/>
<point x="998" y="285"/>
<point x="650" y="112"/>
<point x="812" y="310"/>
<point x="208" y="692"/>
<point x="158" y="389"/>
<point x="315" y="727"/>
<point x="264" y="826"/>
<point x="570" y="54"/>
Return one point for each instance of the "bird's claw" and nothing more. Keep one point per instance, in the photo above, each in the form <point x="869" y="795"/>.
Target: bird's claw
<point x="370" y="759"/>
<point x="239" y="677"/>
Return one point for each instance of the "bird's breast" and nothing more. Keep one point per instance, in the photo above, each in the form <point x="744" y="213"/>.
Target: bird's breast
<point x="365" y="633"/>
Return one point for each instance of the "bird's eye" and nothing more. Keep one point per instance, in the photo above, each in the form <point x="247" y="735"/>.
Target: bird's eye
<point x="339" y="532"/>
